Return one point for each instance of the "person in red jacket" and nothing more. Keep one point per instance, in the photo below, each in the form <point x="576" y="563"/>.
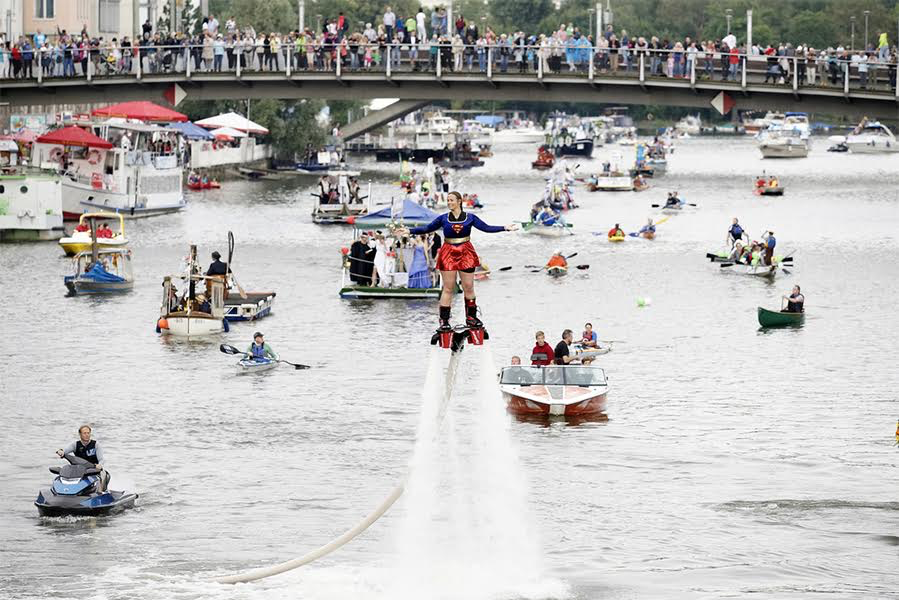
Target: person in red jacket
<point x="616" y="231"/>
<point x="541" y="347"/>
<point x="734" y="61"/>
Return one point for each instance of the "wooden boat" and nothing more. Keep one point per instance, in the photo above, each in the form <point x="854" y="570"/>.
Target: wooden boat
<point x="107" y="271"/>
<point x="557" y="271"/>
<point x="641" y="188"/>
<point x="781" y="318"/>
<point x="615" y="239"/>
<point x="611" y="183"/>
<point x="189" y="314"/>
<point x="80" y="241"/>
<point x="255" y="365"/>
<point x="346" y="209"/>
<point x="556" y="390"/>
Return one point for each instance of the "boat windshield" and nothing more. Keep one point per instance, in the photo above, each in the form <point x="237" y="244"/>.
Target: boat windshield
<point x="553" y="375"/>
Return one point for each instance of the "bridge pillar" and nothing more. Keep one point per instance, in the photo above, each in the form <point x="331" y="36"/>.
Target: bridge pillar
<point x="748" y="30"/>
<point x="846" y="78"/>
<point x="288" y="61"/>
<point x="592" y="54"/>
<point x="439" y="65"/>
<point x="795" y="75"/>
<point x="187" y="62"/>
<point x="339" y="61"/>
<point x="743" y="75"/>
<point x="490" y="62"/>
<point x="389" y="58"/>
<point x="540" y="62"/>
<point x="693" y="71"/>
<point x="642" y="67"/>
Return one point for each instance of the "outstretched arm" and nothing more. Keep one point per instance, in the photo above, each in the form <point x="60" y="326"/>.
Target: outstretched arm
<point x="432" y="226"/>
<point x="480" y="225"/>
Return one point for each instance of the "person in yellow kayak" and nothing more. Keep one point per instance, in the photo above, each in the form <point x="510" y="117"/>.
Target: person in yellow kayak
<point x="616" y="231"/>
<point x="557" y="260"/>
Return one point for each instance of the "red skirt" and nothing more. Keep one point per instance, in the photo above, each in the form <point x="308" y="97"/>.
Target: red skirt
<point x="457" y="257"/>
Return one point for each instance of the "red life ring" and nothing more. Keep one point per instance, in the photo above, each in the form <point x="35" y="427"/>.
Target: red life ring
<point x="96" y="181"/>
<point x="93" y="157"/>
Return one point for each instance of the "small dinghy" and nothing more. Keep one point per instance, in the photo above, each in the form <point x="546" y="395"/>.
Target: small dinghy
<point x="255" y="365"/>
<point x="779" y="318"/>
<point x="107" y="271"/>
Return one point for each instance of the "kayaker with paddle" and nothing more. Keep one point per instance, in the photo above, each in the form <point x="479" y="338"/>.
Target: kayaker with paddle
<point x="616" y="231"/>
<point x="89" y="450"/>
<point x="795" y="301"/>
<point x="557" y="260"/>
<point x="259" y="350"/>
<point x="542" y="347"/>
<point x="673" y="201"/>
<point x="648" y="228"/>
<point x="735" y="233"/>
<point x="457" y="257"/>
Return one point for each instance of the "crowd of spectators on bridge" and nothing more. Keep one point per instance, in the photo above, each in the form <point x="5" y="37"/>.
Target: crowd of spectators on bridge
<point x="420" y="42"/>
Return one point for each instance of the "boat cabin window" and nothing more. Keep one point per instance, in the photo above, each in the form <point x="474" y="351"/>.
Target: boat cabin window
<point x="553" y="375"/>
<point x="584" y="376"/>
<point x="521" y="375"/>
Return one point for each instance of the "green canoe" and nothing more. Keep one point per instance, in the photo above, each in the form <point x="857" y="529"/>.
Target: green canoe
<point x="773" y="318"/>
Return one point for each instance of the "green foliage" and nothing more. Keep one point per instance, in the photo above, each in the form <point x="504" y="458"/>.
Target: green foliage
<point x="264" y="15"/>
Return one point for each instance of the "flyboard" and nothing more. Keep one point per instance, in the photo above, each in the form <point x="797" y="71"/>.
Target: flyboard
<point x="451" y="338"/>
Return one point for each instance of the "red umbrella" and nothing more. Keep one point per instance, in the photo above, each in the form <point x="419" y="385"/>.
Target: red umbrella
<point x="74" y="136"/>
<point x="140" y="110"/>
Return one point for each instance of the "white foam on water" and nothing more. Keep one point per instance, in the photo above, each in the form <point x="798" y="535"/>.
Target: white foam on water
<point x="467" y="532"/>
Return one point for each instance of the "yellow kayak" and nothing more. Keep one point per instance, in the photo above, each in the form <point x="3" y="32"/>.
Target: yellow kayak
<point x="616" y="238"/>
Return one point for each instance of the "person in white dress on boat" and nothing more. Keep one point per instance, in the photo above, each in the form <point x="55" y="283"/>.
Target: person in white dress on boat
<point x="380" y="278"/>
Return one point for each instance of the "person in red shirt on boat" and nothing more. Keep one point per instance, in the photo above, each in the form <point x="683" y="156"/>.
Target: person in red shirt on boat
<point x="83" y="227"/>
<point x="104" y="231"/>
<point x="541" y="347"/>
<point x="616" y="231"/>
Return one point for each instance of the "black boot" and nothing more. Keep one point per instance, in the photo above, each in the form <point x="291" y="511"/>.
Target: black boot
<point x="471" y="313"/>
<point x="445" y="319"/>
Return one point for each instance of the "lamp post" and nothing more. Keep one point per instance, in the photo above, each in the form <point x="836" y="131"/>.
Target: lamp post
<point x="301" y="15"/>
<point x="318" y="24"/>
<point x="591" y="11"/>
<point x="728" y="14"/>
<point x="867" y="12"/>
<point x="852" y="34"/>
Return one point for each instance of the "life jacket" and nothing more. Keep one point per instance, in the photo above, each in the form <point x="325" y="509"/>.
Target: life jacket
<point x="557" y="261"/>
<point x="736" y="232"/>
<point x="88" y="452"/>
<point x="793" y="306"/>
<point x="257" y="351"/>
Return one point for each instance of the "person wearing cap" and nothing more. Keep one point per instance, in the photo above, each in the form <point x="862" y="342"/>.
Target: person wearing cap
<point x="557" y="260"/>
<point x="217" y="267"/>
<point x="259" y="350"/>
<point x="770" y="243"/>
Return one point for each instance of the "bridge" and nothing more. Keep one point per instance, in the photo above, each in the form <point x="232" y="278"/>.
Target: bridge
<point x="415" y="83"/>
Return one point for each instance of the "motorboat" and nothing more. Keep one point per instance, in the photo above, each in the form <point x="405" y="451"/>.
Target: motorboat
<point x="796" y="124"/>
<point x="612" y="182"/>
<point x="780" y="144"/>
<point x="556" y="390"/>
<point x="439" y="124"/>
<point x="579" y="146"/>
<point x="527" y="134"/>
<point x="872" y="137"/>
<point x="339" y="200"/>
<point x="477" y="134"/>
<point x="328" y="159"/>
<point x="690" y="125"/>
<point x="81" y="240"/>
<point x="76" y="492"/>
<point x="107" y="271"/>
<point x="138" y="178"/>
<point x="758" y="124"/>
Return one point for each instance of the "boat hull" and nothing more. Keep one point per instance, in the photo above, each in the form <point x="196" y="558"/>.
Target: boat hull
<point x="578" y="148"/>
<point x="192" y="326"/>
<point x="368" y="292"/>
<point x="648" y="235"/>
<point x="247" y="366"/>
<point x="784" y="151"/>
<point x="557" y="271"/>
<point x="87" y="286"/>
<point x="523" y="405"/>
<point x="773" y="318"/>
<point x="72" y="247"/>
<point x="546" y="230"/>
<point x="617" y="239"/>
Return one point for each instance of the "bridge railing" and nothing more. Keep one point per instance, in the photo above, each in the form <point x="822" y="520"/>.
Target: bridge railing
<point x="448" y="60"/>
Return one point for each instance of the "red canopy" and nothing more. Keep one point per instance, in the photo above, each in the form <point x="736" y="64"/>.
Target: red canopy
<point x="141" y="110"/>
<point x="74" y="136"/>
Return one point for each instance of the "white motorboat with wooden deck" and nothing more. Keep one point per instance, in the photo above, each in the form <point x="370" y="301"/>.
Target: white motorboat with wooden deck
<point x="555" y="390"/>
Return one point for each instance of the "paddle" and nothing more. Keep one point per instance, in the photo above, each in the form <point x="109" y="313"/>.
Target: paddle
<point x="582" y="267"/>
<point x="544" y="266"/>
<point x="232" y="350"/>
<point x="664" y="206"/>
<point x="505" y="268"/>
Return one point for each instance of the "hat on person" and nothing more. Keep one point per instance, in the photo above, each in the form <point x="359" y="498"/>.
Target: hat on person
<point x="216" y="255"/>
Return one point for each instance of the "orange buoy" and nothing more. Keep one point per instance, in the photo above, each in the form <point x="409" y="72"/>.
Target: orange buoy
<point x="351" y="220"/>
<point x="162" y="323"/>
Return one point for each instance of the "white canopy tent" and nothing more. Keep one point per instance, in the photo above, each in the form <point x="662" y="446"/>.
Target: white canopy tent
<point x="229" y="132"/>
<point x="234" y="121"/>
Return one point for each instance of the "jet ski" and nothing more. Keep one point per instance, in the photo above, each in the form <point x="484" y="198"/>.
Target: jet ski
<point x="76" y="492"/>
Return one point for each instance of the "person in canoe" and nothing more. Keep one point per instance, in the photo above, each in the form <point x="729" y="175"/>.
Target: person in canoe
<point x="557" y="260"/>
<point x="761" y="182"/>
<point x="542" y="347"/>
<point x="259" y="349"/>
<point x="457" y="257"/>
<point x="736" y="254"/>
<point x="616" y="231"/>
<point x="736" y="232"/>
<point x="650" y="227"/>
<point x="589" y="338"/>
<point x="770" y="243"/>
<point x="773" y="183"/>
<point x="673" y="201"/>
<point x="795" y="301"/>
<point x="86" y="448"/>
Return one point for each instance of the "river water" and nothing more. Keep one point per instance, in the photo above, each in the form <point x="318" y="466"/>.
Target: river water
<point x="733" y="462"/>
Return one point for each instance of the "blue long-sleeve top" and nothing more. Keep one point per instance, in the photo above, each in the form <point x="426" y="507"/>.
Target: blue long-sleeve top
<point x="457" y="232"/>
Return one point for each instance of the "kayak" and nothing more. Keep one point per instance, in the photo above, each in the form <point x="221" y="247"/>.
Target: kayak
<point x="648" y="235"/>
<point x="770" y="191"/>
<point x="616" y="238"/>
<point x="774" y="318"/>
<point x="257" y="365"/>
<point x="557" y="271"/>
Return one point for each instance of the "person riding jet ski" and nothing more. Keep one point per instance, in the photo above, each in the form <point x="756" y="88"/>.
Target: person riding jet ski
<point x="87" y="449"/>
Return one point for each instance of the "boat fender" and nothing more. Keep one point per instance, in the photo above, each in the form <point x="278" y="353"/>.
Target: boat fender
<point x="225" y="325"/>
<point x="161" y="324"/>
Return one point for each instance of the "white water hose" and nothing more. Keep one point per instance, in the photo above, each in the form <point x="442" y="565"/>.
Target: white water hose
<point x="350" y="534"/>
